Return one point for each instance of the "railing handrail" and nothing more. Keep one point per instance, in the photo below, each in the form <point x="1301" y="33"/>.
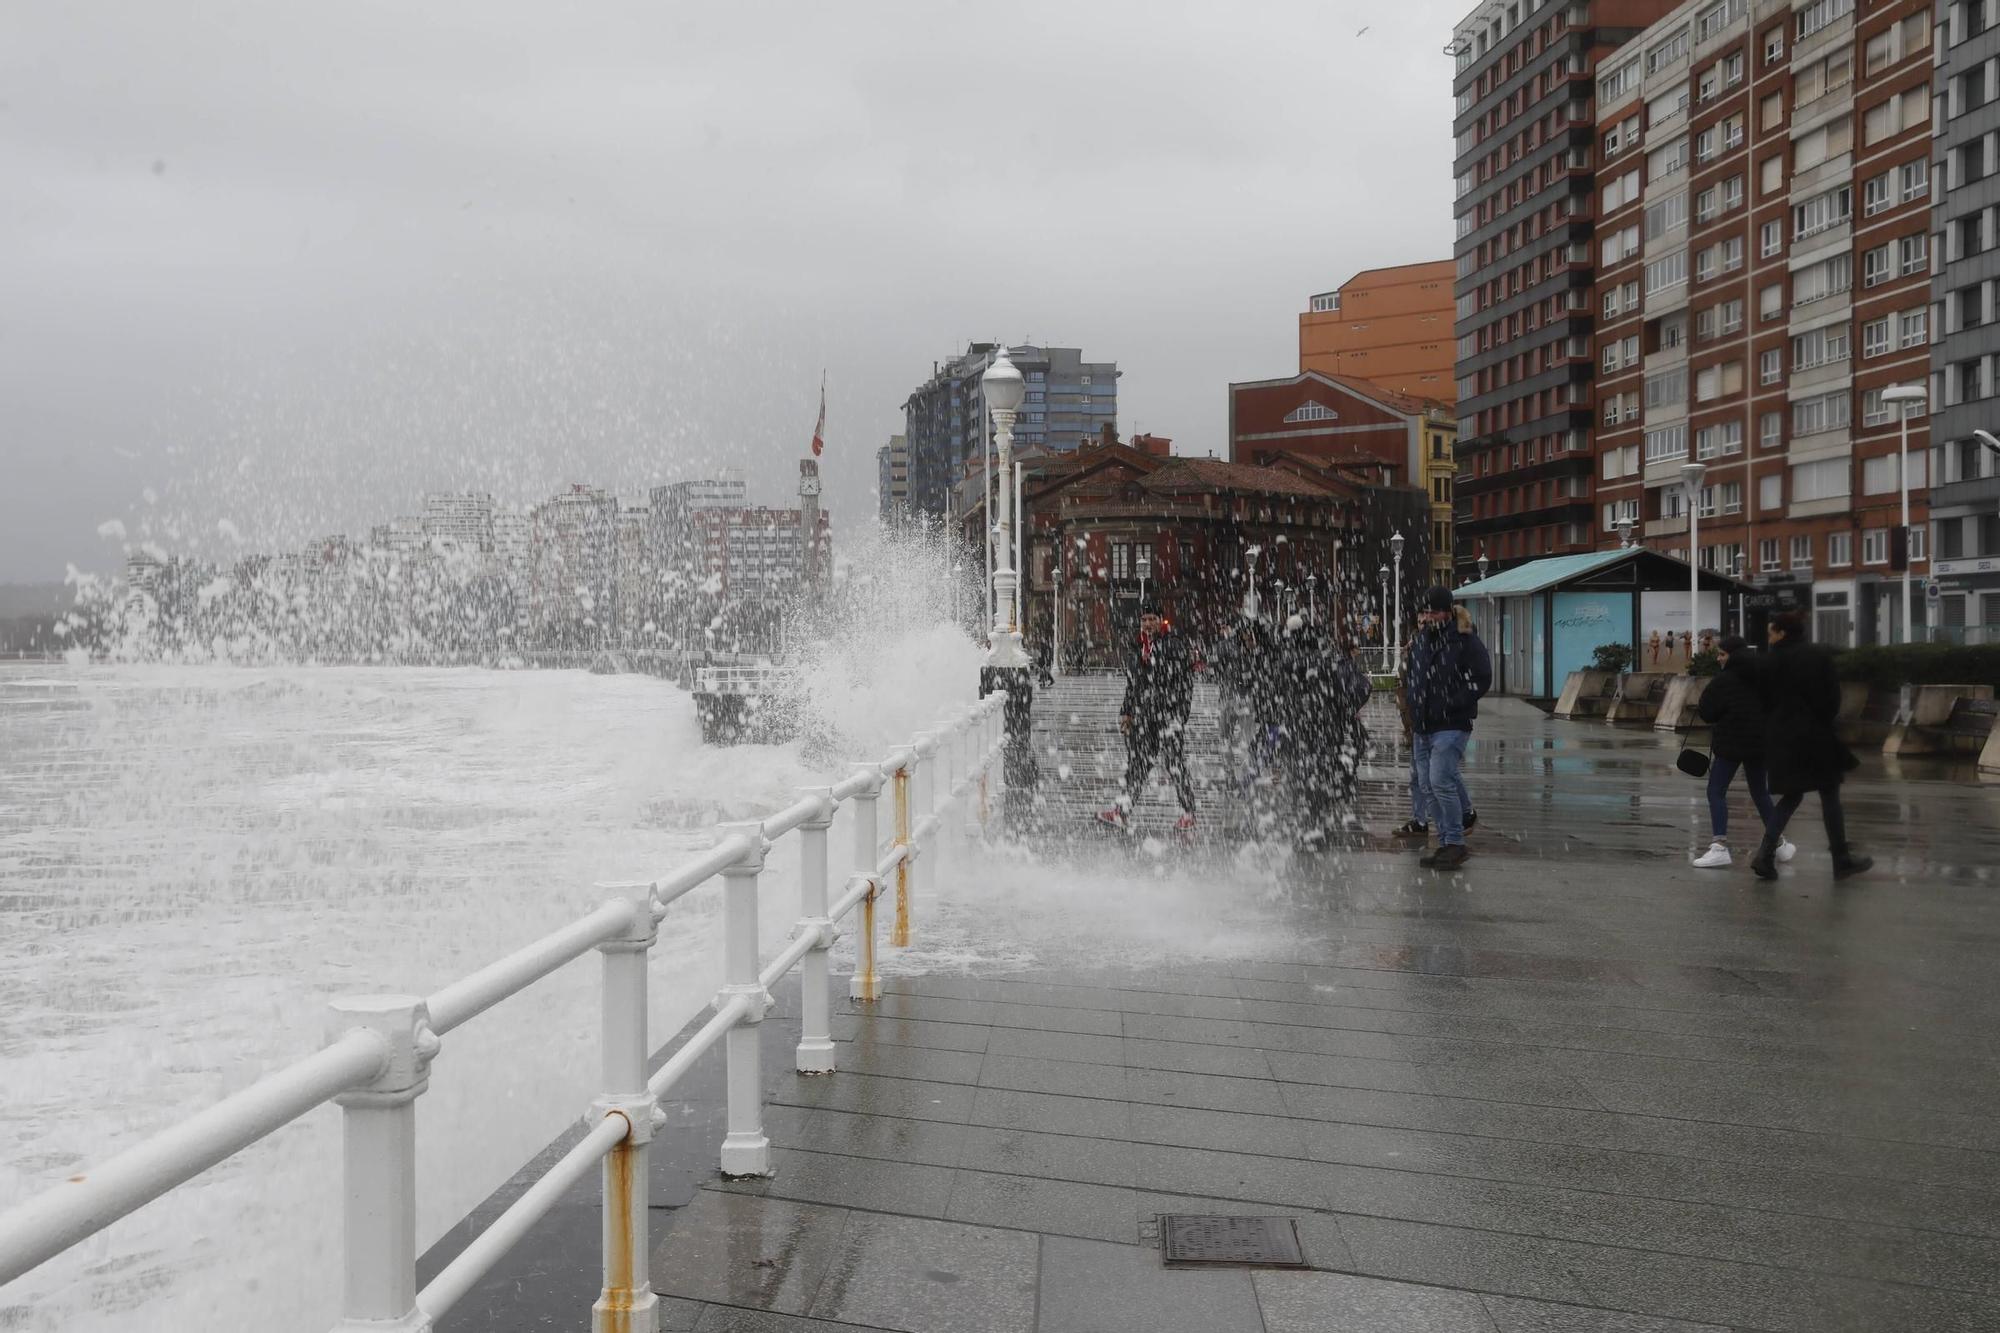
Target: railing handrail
<point x="377" y="1058"/>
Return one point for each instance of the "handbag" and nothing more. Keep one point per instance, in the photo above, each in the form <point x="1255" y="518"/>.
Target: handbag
<point x="1692" y="762"/>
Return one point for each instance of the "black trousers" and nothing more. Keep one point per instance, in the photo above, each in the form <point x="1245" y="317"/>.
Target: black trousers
<point x="1829" y="811"/>
<point x="1166" y="743"/>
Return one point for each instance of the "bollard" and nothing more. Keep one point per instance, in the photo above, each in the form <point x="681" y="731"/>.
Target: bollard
<point x="815" y="1053"/>
<point x="865" y="985"/>
<point x="379" y="1158"/>
<point x="745" y="1149"/>
<point x="627" y="1303"/>
<point x="899" y="934"/>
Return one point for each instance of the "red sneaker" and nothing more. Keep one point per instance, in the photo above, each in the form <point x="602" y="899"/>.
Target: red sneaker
<point x="1115" y="817"/>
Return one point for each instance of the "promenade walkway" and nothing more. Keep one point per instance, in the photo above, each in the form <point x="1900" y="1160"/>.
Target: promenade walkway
<point x="1578" y="1087"/>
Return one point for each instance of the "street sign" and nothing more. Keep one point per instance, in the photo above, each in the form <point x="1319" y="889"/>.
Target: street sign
<point x="1931" y="590"/>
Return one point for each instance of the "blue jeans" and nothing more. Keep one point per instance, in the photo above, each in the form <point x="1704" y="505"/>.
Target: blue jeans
<point x="1420" y="792"/>
<point x="1438" y="755"/>
<point x="1722" y="772"/>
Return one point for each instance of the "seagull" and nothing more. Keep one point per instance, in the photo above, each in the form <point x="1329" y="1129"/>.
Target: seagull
<point x="1364" y="30"/>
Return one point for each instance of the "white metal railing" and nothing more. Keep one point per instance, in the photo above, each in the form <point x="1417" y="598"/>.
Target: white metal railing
<point x="376" y="1062"/>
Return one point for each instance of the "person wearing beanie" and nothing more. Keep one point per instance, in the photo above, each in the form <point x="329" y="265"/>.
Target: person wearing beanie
<point x="1449" y="671"/>
<point x="1734" y="711"/>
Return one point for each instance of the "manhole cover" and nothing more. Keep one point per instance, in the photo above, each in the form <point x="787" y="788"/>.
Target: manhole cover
<point x="1263" y="1242"/>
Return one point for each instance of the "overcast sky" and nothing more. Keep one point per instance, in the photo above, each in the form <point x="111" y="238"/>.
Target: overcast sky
<point x="288" y="265"/>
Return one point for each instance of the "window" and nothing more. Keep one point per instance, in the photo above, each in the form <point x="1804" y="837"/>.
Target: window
<point x="1914" y="327"/>
<point x="1732" y="132"/>
<point x="1664" y="54"/>
<point x="1621" y="191"/>
<point x="1667" y="389"/>
<point x="1824" y="480"/>
<point x="1620" y="245"/>
<point x="1916" y="179"/>
<point x="1802" y="552"/>
<point x="1723" y="438"/>
<point x="1731" y="493"/>
<point x="1770" y="367"/>
<point x="1811" y="18"/>
<point x="1816" y="282"/>
<point x="1732" y="193"/>
<point x="1823" y="211"/>
<point x="1839" y="549"/>
<point x="1767" y="554"/>
<point x="1667" y="107"/>
<point x="1881" y="476"/>
<point x="1771" y="491"/>
<point x="1620" y="408"/>
<point x="1667" y="442"/>
<point x="1774" y="46"/>
<point x="1770" y="175"/>
<point x="1814" y="416"/>
<point x="1875" y="546"/>
<point x="1901" y="112"/>
<point x="1917" y="535"/>
<point x="1732" y="316"/>
<point x="1874" y="342"/>
<point x="1770" y="239"/>
<point x="1817" y="146"/>
<point x="1708" y="143"/>
<point x="1877" y="266"/>
<point x="1771" y="112"/>
<point x="1770" y="430"/>
<point x="1705" y="204"/>
<point x="1669" y="272"/>
<point x="1914" y="254"/>
<point x="1613" y="86"/>
<point x="1874" y="411"/>
<point x="1666" y="215"/>
<point x="1819" y="347"/>
<point x="1312" y="412"/>
<point x="1664" y="162"/>
<point x="1716" y="17"/>
<point x="1716" y="381"/>
<point x="1823" y="77"/>
<point x="1879" y="194"/>
<point x="1673" y="331"/>
<point x="1771" y="301"/>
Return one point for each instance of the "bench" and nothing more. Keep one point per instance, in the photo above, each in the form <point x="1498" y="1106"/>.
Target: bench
<point x="1942" y="719"/>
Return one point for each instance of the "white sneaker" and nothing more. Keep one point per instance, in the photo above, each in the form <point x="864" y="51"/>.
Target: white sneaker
<point x="1716" y="856"/>
<point x="1786" y="850"/>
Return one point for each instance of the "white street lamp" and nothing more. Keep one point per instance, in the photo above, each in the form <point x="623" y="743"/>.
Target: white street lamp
<point x="1312" y="596"/>
<point x="1692" y="473"/>
<point x="1055" y="614"/>
<point x="1396" y="558"/>
<point x="1482" y="565"/>
<point x="1003" y="389"/>
<point x="1250" y="604"/>
<point x="1384" y="604"/>
<point x="1902" y="395"/>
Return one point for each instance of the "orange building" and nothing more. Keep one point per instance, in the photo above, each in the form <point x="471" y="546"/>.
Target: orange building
<point x="1392" y="326"/>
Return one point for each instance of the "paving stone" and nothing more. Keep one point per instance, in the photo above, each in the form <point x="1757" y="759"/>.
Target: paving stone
<point x="1513" y="1315"/>
<point x="1002" y="1108"/>
<point x="1226" y="1131"/>
<point x="867" y="1031"/>
<point x="894" y="1138"/>
<point x="1453" y="1256"/>
<point x="724" y="1319"/>
<point x="816" y="1177"/>
<point x="1094" y="1287"/>
<point x="1053" y="1207"/>
<point x="1049" y="1156"/>
<point x="738" y="1249"/>
<point x="1316" y="1302"/>
<point x="927" y="1276"/>
<point x="1227" y="1175"/>
<point x="865" y="1094"/>
<point x="1085" y="1047"/>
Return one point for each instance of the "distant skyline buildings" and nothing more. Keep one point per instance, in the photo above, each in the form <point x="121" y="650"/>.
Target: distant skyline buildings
<point x="1068" y="401"/>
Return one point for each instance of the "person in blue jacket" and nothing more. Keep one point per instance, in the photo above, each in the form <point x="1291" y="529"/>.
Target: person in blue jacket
<point x="1449" y="671"/>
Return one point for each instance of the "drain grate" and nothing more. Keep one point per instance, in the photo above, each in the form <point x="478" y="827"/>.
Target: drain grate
<point x="1207" y="1240"/>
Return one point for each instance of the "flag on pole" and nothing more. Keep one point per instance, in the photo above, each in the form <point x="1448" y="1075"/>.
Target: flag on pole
<point x="819" y="427"/>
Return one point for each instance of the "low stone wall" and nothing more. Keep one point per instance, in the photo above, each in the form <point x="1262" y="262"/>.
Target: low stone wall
<point x="1640" y="694"/>
<point x="1680" y="710"/>
<point x="1587" y="694"/>
<point x="1921" y="728"/>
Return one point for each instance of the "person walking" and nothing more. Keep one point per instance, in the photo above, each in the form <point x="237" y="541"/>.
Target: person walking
<point x="1734" y="711"/>
<point x="1449" y="672"/>
<point x="1159" y="691"/>
<point x="1418" y="825"/>
<point x="1802" y="753"/>
<point x="1323" y="697"/>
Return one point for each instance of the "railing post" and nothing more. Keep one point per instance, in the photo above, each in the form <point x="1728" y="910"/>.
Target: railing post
<point x="899" y="934"/>
<point x="745" y="1149"/>
<point x="815" y="1053"/>
<point x="921" y="805"/>
<point x="379" y="1151"/>
<point x="944" y="777"/>
<point x="627" y="1303"/>
<point x="865" y="985"/>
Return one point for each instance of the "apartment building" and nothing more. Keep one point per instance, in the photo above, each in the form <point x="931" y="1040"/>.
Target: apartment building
<point x="1763" y="275"/>
<point x="1965" y="471"/>
<point x="1389" y="326"/>
<point x="1526" y="181"/>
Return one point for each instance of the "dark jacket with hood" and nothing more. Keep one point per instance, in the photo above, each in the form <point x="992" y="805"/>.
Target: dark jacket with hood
<point x="1801" y="694"/>
<point x="1449" y="671"/>
<point x="1733" y="707"/>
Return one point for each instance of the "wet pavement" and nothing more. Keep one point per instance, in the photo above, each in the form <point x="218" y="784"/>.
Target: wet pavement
<point x="1577" y="1087"/>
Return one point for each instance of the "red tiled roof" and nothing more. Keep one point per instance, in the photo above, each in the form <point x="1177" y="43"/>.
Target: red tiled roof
<point x="1211" y="474"/>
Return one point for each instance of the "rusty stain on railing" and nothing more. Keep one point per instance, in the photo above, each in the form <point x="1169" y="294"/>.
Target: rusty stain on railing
<point x="618" y="1302"/>
<point x="900" y="937"/>
<point x="869" y="986"/>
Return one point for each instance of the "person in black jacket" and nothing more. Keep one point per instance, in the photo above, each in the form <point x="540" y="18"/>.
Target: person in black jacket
<point x="1449" y="671"/>
<point x="1734" y="711"/>
<point x="1159" y="691"/>
<point x="1324" y="691"/>
<point x="1801" y="693"/>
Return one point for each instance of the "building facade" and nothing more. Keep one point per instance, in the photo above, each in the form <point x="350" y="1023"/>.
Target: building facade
<point x="1068" y="402"/>
<point x="1525" y="183"/>
<point x="1389" y="326"/>
<point x="1965" y="309"/>
<point x="459" y="521"/>
<point x="892" y="479"/>
<point x="573" y="569"/>
<point x="1763" y="277"/>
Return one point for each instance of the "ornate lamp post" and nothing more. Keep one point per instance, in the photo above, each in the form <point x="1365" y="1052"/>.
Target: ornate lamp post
<point x="1312" y="596"/>
<point x="1384" y="604"/>
<point x="1482" y="565"/>
<point x="1006" y="660"/>
<point x="1396" y="558"/>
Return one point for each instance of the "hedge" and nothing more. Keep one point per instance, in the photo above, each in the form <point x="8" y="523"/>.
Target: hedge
<point x="1887" y="668"/>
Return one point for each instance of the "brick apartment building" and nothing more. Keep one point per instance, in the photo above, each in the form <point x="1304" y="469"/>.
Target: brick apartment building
<point x="1389" y="326"/>
<point x="1763" y="275"/>
<point x="1524" y="250"/>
